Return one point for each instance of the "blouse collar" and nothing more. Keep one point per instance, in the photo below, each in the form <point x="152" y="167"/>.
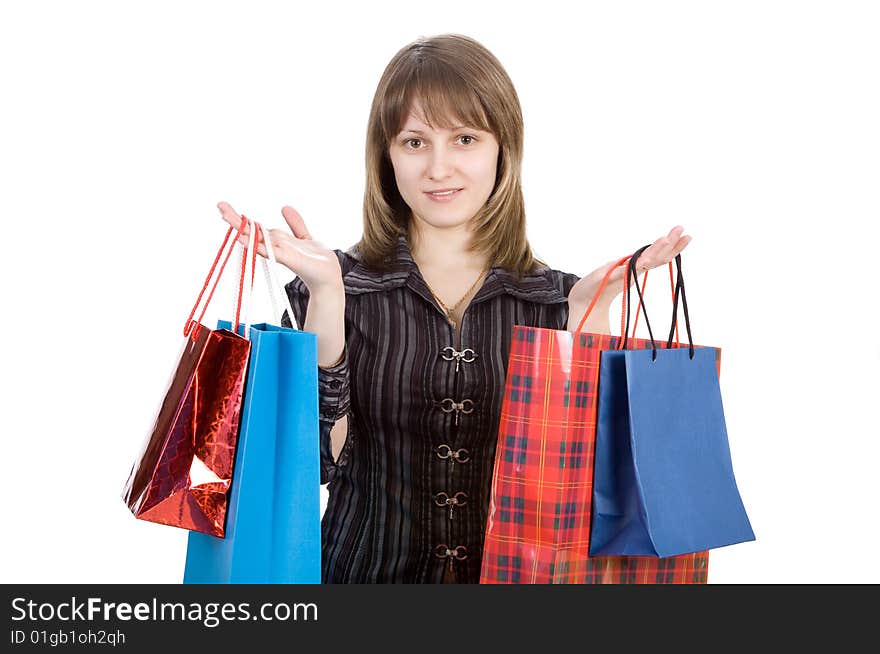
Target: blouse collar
<point x="534" y="287"/>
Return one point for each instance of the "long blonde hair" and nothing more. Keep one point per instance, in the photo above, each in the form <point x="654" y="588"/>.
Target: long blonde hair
<point x="455" y="78"/>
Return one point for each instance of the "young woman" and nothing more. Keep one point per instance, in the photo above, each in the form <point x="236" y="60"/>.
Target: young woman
<point x="414" y="322"/>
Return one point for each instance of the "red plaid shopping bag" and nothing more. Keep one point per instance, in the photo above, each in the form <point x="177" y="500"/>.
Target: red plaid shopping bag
<point x="538" y="525"/>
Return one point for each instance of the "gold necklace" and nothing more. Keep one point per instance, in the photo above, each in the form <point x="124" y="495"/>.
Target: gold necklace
<point x="455" y="306"/>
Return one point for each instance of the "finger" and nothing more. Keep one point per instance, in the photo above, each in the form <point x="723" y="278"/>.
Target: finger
<point x="234" y="219"/>
<point x="652" y="256"/>
<point x="670" y="246"/>
<point x="229" y="214"/>
<point x="682" y="244"/>
<point x="295" y="222"/>
<point x="670" y="241"/>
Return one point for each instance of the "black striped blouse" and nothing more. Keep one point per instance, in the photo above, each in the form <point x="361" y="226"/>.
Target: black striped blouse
<point x="409" y="494"/>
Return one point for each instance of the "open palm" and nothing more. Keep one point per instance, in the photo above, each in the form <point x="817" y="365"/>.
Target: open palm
<point x="314" y="263"/>
<point x="661" y="252"/>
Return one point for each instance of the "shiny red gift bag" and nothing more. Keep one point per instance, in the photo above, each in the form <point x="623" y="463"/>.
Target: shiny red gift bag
<point x="539" y="516"/>
<point x="183" y="473"/>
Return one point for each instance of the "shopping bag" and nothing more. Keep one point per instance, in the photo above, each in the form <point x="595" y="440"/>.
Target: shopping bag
<point x="273" y="528"/>
<point x="663" y="481"/>
<point x="538" y="524"/>
<point x="181" y="476"/>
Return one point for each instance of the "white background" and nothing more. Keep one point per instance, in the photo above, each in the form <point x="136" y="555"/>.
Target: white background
<point x="752" y="124"/>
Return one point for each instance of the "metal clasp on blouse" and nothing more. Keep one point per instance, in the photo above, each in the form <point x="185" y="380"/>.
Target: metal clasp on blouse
<point x="457" y="554"/>
<point x="461" y="455"/>
<point x="442" y="499"/>
<point x="465" y="406"/>
<point x="467" y="355"/>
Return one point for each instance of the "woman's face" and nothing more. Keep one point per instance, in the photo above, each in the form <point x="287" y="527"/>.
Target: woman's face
<point x="426" y="160"/>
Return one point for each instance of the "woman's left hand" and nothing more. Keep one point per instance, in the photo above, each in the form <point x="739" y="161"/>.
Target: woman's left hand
<point x="660" y="253"/>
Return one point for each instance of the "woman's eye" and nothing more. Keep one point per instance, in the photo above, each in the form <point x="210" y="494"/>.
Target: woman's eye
<point x="410" y="142"/>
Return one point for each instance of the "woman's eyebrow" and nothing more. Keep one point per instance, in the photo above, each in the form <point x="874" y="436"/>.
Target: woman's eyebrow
<point x="418" y="131"/>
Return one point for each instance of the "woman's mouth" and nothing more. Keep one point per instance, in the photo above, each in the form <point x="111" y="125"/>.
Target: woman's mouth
<point x="444" y="196"/>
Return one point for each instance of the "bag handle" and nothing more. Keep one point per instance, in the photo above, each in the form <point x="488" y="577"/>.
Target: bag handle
<point x="190" y="323"/>
<point x="631" y="270"/>
<point x="270" y="267"/>
<point x="672" y="288"/>
<point x="623" y="312"/>
<point x="679" y="292"/>
<point x="679" y="286"/>
<point x="192" y="327"/>
<point x="247" y="291"/>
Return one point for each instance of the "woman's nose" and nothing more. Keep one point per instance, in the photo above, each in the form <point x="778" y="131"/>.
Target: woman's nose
<point x="441" y="163"/>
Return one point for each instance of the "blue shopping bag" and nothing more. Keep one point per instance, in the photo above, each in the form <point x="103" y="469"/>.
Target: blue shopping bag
<point x="663" y="482"/>
<point x="273" y="528"/>
<point x="273" y="520"/>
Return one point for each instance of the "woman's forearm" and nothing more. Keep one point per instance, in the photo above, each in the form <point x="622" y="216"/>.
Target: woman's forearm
<point x="325" y="317"/>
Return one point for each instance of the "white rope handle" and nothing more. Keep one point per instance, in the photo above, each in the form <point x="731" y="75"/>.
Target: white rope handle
<point x="248" y="285"/>
<point x="271" y="267"/>
<point x="268" y="276"/>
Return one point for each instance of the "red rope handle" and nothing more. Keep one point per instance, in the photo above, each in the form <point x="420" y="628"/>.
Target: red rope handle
<point x="244" y="253"/>
<point x="188" y="326"/>
<point x="623" y="310"/>
<point x="602" y="285"/>
<point x="672" y="288"/>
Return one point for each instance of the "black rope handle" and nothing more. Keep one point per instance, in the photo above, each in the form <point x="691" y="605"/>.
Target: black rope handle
<point x="679" y="286"/>
<point x="679" y="293"/>
<point x="631" y="270"/>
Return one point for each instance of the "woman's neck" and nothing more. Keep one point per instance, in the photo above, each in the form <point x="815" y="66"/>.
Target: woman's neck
<point x="445" y="249"/>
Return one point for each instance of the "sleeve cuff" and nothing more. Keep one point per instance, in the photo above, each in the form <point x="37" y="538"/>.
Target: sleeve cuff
<point x="333" y="404"/>
<point x="334" y="390"/>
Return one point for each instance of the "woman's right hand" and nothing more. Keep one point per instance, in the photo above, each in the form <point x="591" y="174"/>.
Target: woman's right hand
<point x="315" y="264"/>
